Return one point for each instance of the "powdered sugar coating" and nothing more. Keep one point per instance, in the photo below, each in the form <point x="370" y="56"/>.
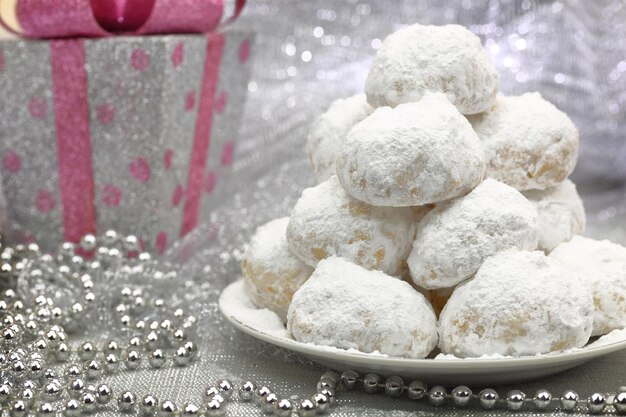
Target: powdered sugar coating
<point x="347" y="306"/>
<point x="411" y="155"/>
<point x="528" y="142"/>
<point x="602" y="264"/>
<point x="519" y="303"/>
<point x="447" y="59"/>
<point x="328" y="133"/>
<point x="327" y="221"/>
<point x="270" y="271"/>
<point x="561" y="214"/>
<point x="455" y="238"/>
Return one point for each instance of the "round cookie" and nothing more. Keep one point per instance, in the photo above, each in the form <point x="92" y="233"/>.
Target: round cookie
<point x="349" y="307"/>
<point x="455" y="238"/>
<point x="519" y="303"/>
<point x="271" y="273"/>
<point x="602" y="265"/>
<point x="447" y="59"/>
<point x="411" y="155"/>
<point x="528" y="142"/>
<point x="561" y="214"/>
<point x="328" y="133"/>
<point x="327" y="221"/>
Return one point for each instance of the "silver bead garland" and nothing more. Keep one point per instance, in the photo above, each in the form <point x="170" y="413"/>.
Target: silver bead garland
<point x="38" y="375"/>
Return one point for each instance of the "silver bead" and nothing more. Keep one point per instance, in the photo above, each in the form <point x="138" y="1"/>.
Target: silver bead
<point x="394" y="386"/>
<point x="87" y="351"/>
<point x="112" y="346"/>
<point x="190" y="409"/>
<point x="88" y="243"/>
<point x="416" y="390"/>
<point x="132" y="359"/>
<point x="349" y="379"/>
<point x="157" y="359"/>
<point x="126" y="401"/>
<point x="596" y="403"/>
<point x="488" y="398"/>
<point x="149" y="404"/>
<point x="619" y="402"/>
<point x="62" y="352"/>
<point x="329" y="393"/>
<point x="211" y="392"/>
<point x="76" y="387"/>
<point x="325" y="383"/>
<point x="89" y="402"/>
<point x="370" y="383"/>
<point x="168" y="408"/>
<point x="72" y="408"/>
<point x="461" y="395"/>
<point x="542" y="399"/>
<point x="35" y="369"/>
<point x="515" y="400"/>
<point x="437" y="395"/>
<point x="18" y="408"/>
<point x="134" y="342"/>
<point x="225" y="387"/>
<point x="191" y="347"/>
<point x="111" y="363"/>
<point x="269" y="402"/>
<point x="28" y="396"/>
<point x="131" y="243"/>
<point x="110" y="238"/>
<point x="246" y="390"/>
<point x="322" y="403"/>
<point x="73" y="371"/>
<point x="45" y="409"/>
<point x="283" y="408"/>
<point x="92" y="369"/>
<point x="152" y="340"/>
<point x="214" y="409"/>
<point x="52" y="391"/>
<point x="182" y="357"/>
<point x="569" y="400"/>
<point x="260" y="394"/>
<point x="305" y="409"/>
<point x="332" y="375"/>
<point x="104" y="394"/>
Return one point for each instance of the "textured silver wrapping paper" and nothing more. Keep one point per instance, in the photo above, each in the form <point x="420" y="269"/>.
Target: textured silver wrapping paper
<point x="311" y="52"/>
<point x="144" y="95"/>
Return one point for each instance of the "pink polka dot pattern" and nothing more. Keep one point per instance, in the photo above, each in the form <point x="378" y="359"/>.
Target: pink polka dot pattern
<point x="139" y="59"/>
<point x="44" y="201"/>
<point x="140" y="169"/>
<point x="220" y="102"/>
<point x="161" y="242"/>
<point x="105" y="113"/>
<point x="38" y="107"/>
<point x="227" y="153"/>
<point x="11" y="162"/>
<point x="190" y="101"/>
<point x="168" y="157"/>
<point x="111" y="195"/>
<point x="210" y="182"/>
<point x="244" y="51"/>
<point x="177" y="197"/>
<point x="178" y="54"/>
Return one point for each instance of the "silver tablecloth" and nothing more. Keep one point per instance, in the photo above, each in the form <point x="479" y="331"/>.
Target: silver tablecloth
<point x="310" y="52"/>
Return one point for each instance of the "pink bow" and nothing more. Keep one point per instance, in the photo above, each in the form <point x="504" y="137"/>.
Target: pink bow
<point x="97" y="18"/>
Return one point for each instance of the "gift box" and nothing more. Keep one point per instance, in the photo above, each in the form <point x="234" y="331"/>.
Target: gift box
<point x="134" y="132"/>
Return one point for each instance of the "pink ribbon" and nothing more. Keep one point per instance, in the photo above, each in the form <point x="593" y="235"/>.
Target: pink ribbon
<point x="97" y="18"/>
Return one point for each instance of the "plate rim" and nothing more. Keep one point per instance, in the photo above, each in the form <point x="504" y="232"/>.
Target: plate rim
<point x="426" y="364"/>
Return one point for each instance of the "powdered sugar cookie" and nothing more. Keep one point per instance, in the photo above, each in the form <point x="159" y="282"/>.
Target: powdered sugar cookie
<point x="271" y="273"/>
<point x="328" y="133"/>
<point x="561" y="214"/>
<point x="602" y="264"/>
<point x="411" y="155"/>
<point x="519" y="303"/>
<point x="455" y="238"/>
<point x="326" y="221"/>
<point x="447" y="59"/>
<point x="528" y="142"/>
<point x="349" y="307"/>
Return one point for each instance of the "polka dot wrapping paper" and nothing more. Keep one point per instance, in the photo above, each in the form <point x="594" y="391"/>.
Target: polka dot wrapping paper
<point x="130" y="132"/>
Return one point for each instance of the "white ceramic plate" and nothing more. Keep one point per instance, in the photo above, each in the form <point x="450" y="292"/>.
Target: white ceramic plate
<point x="265" y="325"/>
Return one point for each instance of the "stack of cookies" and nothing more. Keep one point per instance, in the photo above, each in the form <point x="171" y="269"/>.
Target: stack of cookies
<point x="443" y="217"/>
